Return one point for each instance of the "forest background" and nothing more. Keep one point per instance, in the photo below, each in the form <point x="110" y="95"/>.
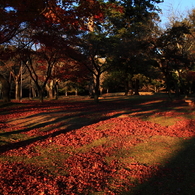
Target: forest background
<point x="53" y="47"/>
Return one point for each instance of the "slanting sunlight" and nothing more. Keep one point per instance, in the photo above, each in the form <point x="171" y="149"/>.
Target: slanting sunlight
<point x="112" y="153"/>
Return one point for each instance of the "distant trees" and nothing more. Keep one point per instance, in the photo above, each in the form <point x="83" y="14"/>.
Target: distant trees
<point x="97" y="42"/>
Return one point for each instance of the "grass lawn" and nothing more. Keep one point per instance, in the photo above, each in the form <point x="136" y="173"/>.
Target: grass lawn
<point x="123" y="145"/>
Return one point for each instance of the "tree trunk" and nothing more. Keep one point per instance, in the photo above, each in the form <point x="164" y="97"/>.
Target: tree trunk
<point x="177" y="91"/>
<point x="17" y="88"/>
<point x="96" y="88"/>
<point x="41" y="94"/>
<point x="167" y="81"/>
<point x="66" y="92"/>
<point x="129" y="87"/>
<point x="56" y="90"/>
<point x="49" y="88"/>
<point x="5" y="89"/>
<point x="136" y="86"/>
<point x="76" y="92"/>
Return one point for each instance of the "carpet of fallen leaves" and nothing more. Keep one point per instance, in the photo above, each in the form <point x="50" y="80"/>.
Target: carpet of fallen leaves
<point x="88" y="171"/>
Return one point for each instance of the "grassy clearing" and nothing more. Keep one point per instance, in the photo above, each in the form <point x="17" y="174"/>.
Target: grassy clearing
<point x="178" y="175"/>
<point x="156" y="150"/>
<point x="174" y="153"/>
<point x="152" y="150"/>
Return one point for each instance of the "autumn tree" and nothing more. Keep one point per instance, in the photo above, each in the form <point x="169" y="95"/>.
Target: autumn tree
<point x="43" y="65"/>
<point x="13" y="18"/>
<point x="50" y="50"/>
<point x="4" y="76"/>
<point x="97" y="48"/>
<point x="9" y="68"/>
<point x="42" y="18"/>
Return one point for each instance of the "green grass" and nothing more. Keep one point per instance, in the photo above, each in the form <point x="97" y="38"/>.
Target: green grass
<point x="178" y="177"/>
<point x="156" y="150"/>
<point x="163" y="120"/>
<point x="153" y="150"/>
<point x="51" y="158"/>
<point x="171" y="152"/>
<point x="95" y="143"/>
<point x="6" y="138"/>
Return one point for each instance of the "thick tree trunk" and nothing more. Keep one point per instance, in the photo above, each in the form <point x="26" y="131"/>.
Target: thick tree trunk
<point x="56" y="90"/>
<point x="49" y="88"/>
<point x="177" y="91"/>
<point x="5" y="89"/>
<point x="41" y="94"/>
<point x="17" y="88"/>
<point x="167" y="81"/>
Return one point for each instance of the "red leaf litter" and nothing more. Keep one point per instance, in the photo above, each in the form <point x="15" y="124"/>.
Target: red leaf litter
<point x="88" y="171"/>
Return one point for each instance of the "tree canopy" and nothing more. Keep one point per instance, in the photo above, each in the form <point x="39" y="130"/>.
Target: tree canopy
<point x="56" y="41"/>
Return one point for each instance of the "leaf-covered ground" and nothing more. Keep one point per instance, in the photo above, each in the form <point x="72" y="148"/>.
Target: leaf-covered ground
<point x="136" y="145"/>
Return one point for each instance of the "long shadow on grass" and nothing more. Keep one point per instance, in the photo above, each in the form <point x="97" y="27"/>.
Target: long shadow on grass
<point x="71" y="126"/>
<point x="75" y="121"/>
<point x="177" y="177"/>
<point x="103" y="108"/>
<point x="70" y="122"/>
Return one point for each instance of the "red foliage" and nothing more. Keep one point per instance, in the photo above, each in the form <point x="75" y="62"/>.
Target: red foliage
<point x="87" y="171"/>
<point x="18" y="178"/>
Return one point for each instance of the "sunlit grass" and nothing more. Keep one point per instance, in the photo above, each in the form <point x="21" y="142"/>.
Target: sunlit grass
<point x="149" y="150"/>
<point x="179" y="174"/>
<point x="152" y="150"/>
<point x="162" y="120"/>
<point x="95" y="143"/>
<point x="51" y="158"/>
<point x="156" y="150"/>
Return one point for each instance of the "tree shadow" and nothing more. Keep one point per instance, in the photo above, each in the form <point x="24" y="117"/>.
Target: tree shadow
<point x="177" y="177"/>
<point x="73" y="116"/>
<point x="70" y="123"/>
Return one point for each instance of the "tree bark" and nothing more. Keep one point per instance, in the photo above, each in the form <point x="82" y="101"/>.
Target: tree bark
<point x="17" y="88"/>
<point x="96" y="88"/>
<point x="5" y="88"/>
<point x="56" y="90"/>
<point x="50" y="89"/>
<point x="41" y="94"/>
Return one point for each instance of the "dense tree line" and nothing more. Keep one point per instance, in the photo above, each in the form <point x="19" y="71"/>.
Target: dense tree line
<point x="48" y="46"/>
